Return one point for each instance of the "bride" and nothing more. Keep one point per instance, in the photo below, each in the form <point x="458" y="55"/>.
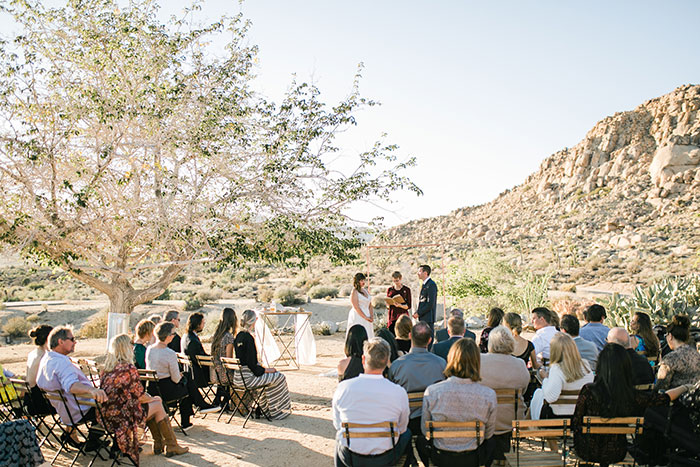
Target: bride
<point x="361" y="312"/>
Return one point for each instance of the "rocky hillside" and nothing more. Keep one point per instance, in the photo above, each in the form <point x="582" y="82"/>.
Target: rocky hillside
<point x="621" y="206"/>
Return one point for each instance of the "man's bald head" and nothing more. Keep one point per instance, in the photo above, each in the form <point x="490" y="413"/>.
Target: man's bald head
<point x="619" y="336"/>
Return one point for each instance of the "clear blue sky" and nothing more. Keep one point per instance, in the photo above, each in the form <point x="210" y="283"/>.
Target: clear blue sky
<point x="479" y="92"/>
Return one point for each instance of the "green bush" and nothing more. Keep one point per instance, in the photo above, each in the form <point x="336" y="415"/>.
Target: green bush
<point x="33" y="318"/>
<point x="208" y="296"/>
<point x="323" y="291"/>
<point x="17" y="326"/>
<point x="164" y="296"/>
<point x="265" y="295"/>
<point x="288" y="296"/>
<point x="192" y="303"/>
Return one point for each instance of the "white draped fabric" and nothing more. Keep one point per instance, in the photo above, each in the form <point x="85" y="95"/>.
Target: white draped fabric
<point x="304" y="340"/>
<point x="269" y="352"/>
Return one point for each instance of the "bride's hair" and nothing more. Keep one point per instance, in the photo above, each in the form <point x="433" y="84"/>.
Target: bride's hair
<point x="356" y="282"/>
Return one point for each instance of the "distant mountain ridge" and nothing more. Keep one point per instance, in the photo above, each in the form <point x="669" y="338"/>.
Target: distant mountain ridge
<point x="622" y="205"/>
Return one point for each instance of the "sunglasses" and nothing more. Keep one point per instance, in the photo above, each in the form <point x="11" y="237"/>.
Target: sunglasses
<point x="70" y="338"/>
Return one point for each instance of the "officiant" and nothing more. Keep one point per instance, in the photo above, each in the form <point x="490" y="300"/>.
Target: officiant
<point x="399" y="300"/>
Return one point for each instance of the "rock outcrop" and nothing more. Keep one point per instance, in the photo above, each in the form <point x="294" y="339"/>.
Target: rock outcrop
<point x="629" y="192"/>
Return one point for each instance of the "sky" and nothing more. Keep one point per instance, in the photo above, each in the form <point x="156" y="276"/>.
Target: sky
<point x="479" y="92"/>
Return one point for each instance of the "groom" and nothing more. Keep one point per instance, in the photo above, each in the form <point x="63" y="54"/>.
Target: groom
<point x="427" y="304"/>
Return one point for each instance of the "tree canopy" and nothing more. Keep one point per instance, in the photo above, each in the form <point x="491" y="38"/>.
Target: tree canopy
<point x="127" y="145"/>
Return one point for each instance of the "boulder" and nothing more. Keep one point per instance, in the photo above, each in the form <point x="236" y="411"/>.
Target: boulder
<point x="672" y="159"/>
<point x="474" y="323"/>
<point x="342" y="326"/>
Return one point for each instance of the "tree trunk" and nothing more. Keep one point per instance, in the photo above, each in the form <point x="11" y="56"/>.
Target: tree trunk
<point x="121" y="304"/>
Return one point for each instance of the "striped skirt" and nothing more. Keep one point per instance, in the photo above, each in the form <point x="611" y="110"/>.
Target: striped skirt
<point x="275" y="398"/>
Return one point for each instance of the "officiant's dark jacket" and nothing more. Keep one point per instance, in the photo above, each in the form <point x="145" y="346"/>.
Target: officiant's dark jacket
<point x="427" y="303"/>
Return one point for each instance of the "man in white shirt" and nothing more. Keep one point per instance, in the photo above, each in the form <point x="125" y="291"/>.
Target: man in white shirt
<point x="370" y="398"/>
<point x="541" y="320"/>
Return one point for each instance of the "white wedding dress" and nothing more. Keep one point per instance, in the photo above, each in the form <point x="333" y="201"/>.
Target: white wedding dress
<point x="355" y="318"/>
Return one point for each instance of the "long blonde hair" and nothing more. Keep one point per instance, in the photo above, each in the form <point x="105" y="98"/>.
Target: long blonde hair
<point x="563" y="352"/>
<point x="120" y="351"/>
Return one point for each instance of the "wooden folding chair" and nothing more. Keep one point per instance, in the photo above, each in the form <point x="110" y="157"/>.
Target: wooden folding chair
<point x="558" y="429"/>
<point x="208" y="392"/>
<point x="373" y="430"/>
<point x="38" y="421"/>
<point x="233" y="365"/>
<point x="172" y="406"/>
<point x="614" y="426"/>
<point x="77" y="425"/>
<point x="102" y="430"/>
<point x="445" y="430"/>
<point x="89" y="369"/>
<point x="566" y="397"/>
<point x="644" y="387"/>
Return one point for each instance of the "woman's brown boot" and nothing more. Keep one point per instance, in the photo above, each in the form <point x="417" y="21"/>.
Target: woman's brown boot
<point x="155" y="434"/>
<point x="171" y="446"/>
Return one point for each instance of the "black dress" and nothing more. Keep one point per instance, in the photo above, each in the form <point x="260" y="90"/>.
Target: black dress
<point x="525" y="356"/>
<point x="353" y="369"/>
<point x="192" y="346"/>
<point x="606" y="449"/>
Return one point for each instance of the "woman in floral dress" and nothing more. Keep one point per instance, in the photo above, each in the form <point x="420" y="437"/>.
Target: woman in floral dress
<point x="128" y="406"/>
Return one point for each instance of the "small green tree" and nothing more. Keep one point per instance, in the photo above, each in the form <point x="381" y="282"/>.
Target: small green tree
<point x="127" y="147"/>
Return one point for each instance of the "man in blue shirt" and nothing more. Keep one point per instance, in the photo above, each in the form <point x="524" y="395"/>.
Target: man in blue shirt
<point x="594" y="330"/>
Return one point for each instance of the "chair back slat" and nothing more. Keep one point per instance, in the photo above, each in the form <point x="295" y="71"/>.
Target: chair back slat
<point x="205" y="360"/>
<point x="231" y="363"/>
<point x="567" y="397"/>
<point x="613" y="426"/>
<point x="389" y="430"/>
<point x="415" y="399"/>
<point x="644" y="387"/>
<point x="183" y="359"/>
<point x="150" y="376"/>
<point x="467" y="429"/>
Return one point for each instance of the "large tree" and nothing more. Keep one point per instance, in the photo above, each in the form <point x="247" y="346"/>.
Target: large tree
<point x="128" y="146"/>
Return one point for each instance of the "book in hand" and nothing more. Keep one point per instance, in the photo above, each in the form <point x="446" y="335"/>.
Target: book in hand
<point x="395" y="300"/>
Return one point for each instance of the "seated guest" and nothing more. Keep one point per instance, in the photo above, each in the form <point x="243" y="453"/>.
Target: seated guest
<point x="34" y="400"/>
<point x="58" y="373"/>
<point x="495" y="317"/>
<point x="155" y="318"/>
<point x="417" y="370"/>
<point x="455" y="328"/>
<point x="460" y="398"/>
<point x="682" y="364"/>
<point x="163" y="360"/>
<point x="403" y="334"/>
<point x="522" y="348"/>
<point x="173" y="316"/>
<point x="351" y="365"/>
<point x="385" y="334"/>
<point x="644" y="339"/>
<point x="145" y="337"/>
<point x="395" y="311"/>
<point x="192" y="346"/>
<point x="500" y="370"/>
<point x="275" y="399"/>
<point x="642" y="373"/>
<point x="587" y="349"/>
<point x="443" y="334"/>
<point x="612" y="394"/>
<point x="128" y="406"/>
<point x="544" y="332"/>
<point x="568" y="372"/>
<point x="594" y="330"/>
<point x="222" y="346"/>
<point x="367" y="399"/>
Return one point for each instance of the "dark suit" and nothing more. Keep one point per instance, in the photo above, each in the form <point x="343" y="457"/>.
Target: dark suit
<point x="427" y="303"/>
<point x="441" y="349"/>
<point x="442" y="335"/>
<point x="175" y="343"/>
<point x="192" y="346"/>
<point x="642" y="373"/>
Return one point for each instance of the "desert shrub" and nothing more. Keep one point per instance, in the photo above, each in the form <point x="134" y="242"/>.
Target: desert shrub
<point x="288" y="296"/>
<point x="208" y="296"/>
<point x="16" y="326"/>
<point x="253" y="274"/>
<point x="33" y="318"/>
<point x="323" y="291"/>
<point x="197" y="281"/>
<point x="164" y="296"/>
<point x="377" y="290"/>
<point x="379" y="302"/>
<point x="345" y="291"/>
<point x="380" y="321"/>
<point x="95" y="327"/>
<point x="192" y="303"/>
<point x="179" y="278"/>
<point x="35" y="286"/>
<point x="323" y="329"/>
<point x="265" y="295"/>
